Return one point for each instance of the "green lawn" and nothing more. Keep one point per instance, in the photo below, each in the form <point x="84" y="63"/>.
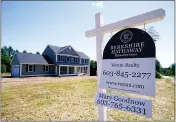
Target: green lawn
<point x="74" y="100"/>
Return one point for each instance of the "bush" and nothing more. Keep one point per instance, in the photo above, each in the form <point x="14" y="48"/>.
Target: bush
<point x="93" y="68"/>
<point x="3" y="68"/>
<point x="158" y="75"/>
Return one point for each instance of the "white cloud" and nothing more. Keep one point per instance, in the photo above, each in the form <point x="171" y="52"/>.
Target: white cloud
<point x="98" y="4"/>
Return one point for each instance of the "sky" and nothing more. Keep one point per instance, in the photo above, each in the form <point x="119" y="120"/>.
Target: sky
<point x="32" y="25"/>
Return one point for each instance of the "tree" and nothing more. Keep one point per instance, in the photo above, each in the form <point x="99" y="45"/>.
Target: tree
<point x="6" y="60"/>
<point x="5" y="48"/>
<point x="24" y="51"/>
<point x="3" y="68"/>
<point x="170" y="71"/>
<point x="153" y="33"/>
<point x="172" y="67"/>
<point x="93" y="67"/>
<point x="10" y="51"/>
<point x="158" y="66"/>
<point x="38" y="53"/>
<point x="16" y="51"/>
<point x="4" y="52"/>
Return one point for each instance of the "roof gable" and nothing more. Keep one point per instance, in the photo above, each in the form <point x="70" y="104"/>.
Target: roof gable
<point x="59" y="50"/>
<point x="68" y="50"/>
<point x="55" y="48"/>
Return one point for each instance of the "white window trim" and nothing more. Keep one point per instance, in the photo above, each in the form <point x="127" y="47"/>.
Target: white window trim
<point x="45" y="68"/>
<point x="32" y="68"/>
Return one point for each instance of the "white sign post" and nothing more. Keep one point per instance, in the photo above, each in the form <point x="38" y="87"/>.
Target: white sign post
<point x="101" y="29"/>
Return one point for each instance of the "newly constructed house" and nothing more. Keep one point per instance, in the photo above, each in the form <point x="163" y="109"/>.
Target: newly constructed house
<point x="54" y="61"/>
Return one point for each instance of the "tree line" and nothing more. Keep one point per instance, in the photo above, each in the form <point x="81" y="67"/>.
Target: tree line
<point x="7" y="54"/>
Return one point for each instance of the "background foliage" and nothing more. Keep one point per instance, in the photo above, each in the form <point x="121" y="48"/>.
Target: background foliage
<point x="7" y="54"/>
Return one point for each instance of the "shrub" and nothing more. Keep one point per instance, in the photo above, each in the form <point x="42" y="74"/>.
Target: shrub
<point x="158" y="75"/>
<point x="3" y="68"/>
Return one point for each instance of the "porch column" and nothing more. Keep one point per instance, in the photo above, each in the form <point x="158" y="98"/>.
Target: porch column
<point x="56" y="70"/>
<point x="88" y="69"/>
<point x="67" y="69"/>
<point x="75" y="69"/>
<point x="59" y="70"/>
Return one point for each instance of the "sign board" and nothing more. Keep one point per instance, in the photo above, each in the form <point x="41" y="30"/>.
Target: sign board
<point x="123" y="103"/>
<point x="128" y="63"/>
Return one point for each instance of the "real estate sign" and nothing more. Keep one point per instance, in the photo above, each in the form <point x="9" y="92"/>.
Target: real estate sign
<point x="124" y="103"/>
<point x="128" y="63"/>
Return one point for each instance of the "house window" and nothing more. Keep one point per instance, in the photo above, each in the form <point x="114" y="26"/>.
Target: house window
<point x="76" y="59"/>
<point x="65" y="58"/>
<point x="68" y="59"/>
<point x="46" y="68"/>
<point x="62" y="58"/>
<point x="82" y="60"/>
<point x="30" y="68"/>
<point x="59" y="58"/>
<point x="86" y="60"/>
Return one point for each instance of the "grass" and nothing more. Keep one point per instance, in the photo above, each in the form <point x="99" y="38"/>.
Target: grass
<point x="74" y="100"/>
<point x="5" y="74"/>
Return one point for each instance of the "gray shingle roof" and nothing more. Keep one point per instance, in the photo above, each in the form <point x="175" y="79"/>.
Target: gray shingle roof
<point x="31" y="58"/>
<point x="82" y="55"/>
<point x="54" y="48"/>
<point x="57" y="49"/>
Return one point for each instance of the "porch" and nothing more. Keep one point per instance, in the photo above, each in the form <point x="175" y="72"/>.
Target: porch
<point x="62" y="70"/>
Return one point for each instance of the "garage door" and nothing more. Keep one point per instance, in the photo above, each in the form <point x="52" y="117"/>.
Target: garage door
<point x="15" y="70"/>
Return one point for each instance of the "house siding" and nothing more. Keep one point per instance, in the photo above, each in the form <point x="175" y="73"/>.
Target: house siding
<point x="38" y="70"/>
<point x="49" y="52"/>
<point x="71" y="61"/>
<point x="83" y="63"/>
<point x="15" y="61"/>
<point x="68" y="51"/>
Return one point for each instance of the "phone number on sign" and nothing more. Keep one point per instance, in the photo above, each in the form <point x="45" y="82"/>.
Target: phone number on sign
<point x="120" y="106"/>
<point x="127" y="74"/>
